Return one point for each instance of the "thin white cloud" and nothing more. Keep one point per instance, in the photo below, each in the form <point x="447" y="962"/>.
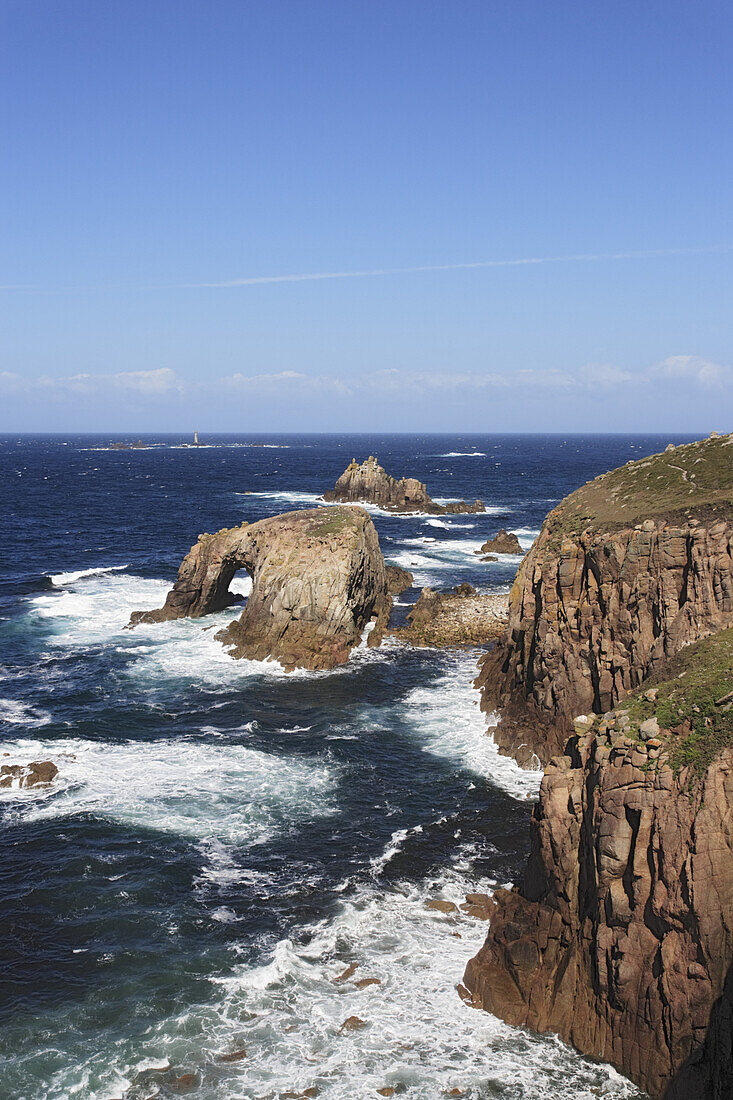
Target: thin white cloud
<point x="692" y="368"/>
<point x="694" y="372"/>
<point x="525" y="261"/>
<point x="139" y="383"/>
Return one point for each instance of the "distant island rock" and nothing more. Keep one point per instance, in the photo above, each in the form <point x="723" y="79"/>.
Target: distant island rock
<point x="369" y="482"/>
<point x="503" y="542"/>
<point x="318" y="582"/>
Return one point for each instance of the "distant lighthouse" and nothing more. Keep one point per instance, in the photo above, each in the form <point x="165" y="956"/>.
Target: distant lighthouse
<point x="195" y="439"/>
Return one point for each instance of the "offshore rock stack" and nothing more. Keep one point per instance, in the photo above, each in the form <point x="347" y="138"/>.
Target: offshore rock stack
<point x="369" y="482"/>
<point x="318" y="581"/>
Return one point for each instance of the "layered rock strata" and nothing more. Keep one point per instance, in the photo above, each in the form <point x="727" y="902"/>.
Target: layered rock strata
<point x="369" y="482"/>
<point x="318" y="583"/>
<point x="620" y="938"/>
<point x="606" y="594"/>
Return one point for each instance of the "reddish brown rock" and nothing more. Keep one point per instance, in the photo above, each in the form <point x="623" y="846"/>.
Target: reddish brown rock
<point x="440" y="905"/>
<point x="604" y="597"/>
<point x="352" y="1023"/>
<point x="234" y="1056"/>
<point x="398" y="579"/>
<point x="38" y="774"/>
<point x="458" y="618"/>
<point x="503" y="542"/>
<point x="370" y="483"/>
<point x="318" y="580"/>
<point x="621" y="934"/>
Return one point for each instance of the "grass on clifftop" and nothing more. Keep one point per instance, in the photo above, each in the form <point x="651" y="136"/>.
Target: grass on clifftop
<point x="688" y="687"/>
<point x="694" y="481"/>
<point x="334" y="520"/>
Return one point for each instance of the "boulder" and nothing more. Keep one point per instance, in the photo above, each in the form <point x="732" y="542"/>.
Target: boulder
<point x="398" y="579"/>
<point x="503" y="542"/>
<point x="369" y="482"/>
<point x="38" y="774"/>
<point x="318" y="582"/>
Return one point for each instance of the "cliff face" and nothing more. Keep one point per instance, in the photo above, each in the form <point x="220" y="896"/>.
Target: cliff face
<point x="370" y="482"/>
<point x="604" y="596"/>
<point x="621" y="937"/>
<point x="318" y="580"/>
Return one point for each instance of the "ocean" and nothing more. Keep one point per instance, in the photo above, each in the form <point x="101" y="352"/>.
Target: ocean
<point x="223" y="839"/>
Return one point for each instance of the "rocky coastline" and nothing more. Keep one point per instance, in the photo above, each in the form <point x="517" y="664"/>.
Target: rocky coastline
<point x="620" y="936"/>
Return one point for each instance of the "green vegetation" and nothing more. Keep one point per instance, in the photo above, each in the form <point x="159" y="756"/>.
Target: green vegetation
<point x="687" y="690"/>
<point x="334" y="521"/>
<point x="694" y="481"/>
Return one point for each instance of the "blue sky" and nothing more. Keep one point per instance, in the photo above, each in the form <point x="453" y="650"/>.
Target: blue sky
<point x="166" y="163"/>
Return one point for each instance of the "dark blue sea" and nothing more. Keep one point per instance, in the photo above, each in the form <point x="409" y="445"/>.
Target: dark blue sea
<point x="223" y="839"/>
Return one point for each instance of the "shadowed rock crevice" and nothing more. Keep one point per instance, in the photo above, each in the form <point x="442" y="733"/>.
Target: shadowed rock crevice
<point x="318" y="583"/>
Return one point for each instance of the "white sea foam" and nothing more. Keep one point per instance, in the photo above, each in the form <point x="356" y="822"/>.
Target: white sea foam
<point x="462" y="454"/>
<point x="449" y="526"/>
<point x="418" y="1036"/>
<point x="448" y="721"/>
<point x="208" y="792"/>
<point x="14" y="712"/>
<point x="61" y="579"/>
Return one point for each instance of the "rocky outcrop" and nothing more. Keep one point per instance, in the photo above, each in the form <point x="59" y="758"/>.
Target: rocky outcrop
<point x="620" y="938"/>
<point x="503" y="542"/>
<point x="398" y="579"/>
<point x="370" y="483"/>
<point x="37" y="774"/>
<point x="605" y="596"/>
<point x="318" y="582"/>
<point x="462" y="617"/>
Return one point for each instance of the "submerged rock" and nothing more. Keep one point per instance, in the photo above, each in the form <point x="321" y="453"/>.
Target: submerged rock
<point x="318" y="582"/>
<point x="371" y="483"/>
<point x="38" y="774"/>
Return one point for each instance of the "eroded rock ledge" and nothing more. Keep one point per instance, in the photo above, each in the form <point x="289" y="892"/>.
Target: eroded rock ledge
<point x="318" y="581"/>
<point x="371" y="483"/>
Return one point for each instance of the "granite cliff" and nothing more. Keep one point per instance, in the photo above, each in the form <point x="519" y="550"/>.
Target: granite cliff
<point x="318" y="581"/>
<point x="620" y="935"/>
<point x="371" y="483"/>
<point x="626" y="571"/>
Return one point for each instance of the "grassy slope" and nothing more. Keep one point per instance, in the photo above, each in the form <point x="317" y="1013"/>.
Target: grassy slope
<point x="688" y="688"/>
<point x="694" y="481"/>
